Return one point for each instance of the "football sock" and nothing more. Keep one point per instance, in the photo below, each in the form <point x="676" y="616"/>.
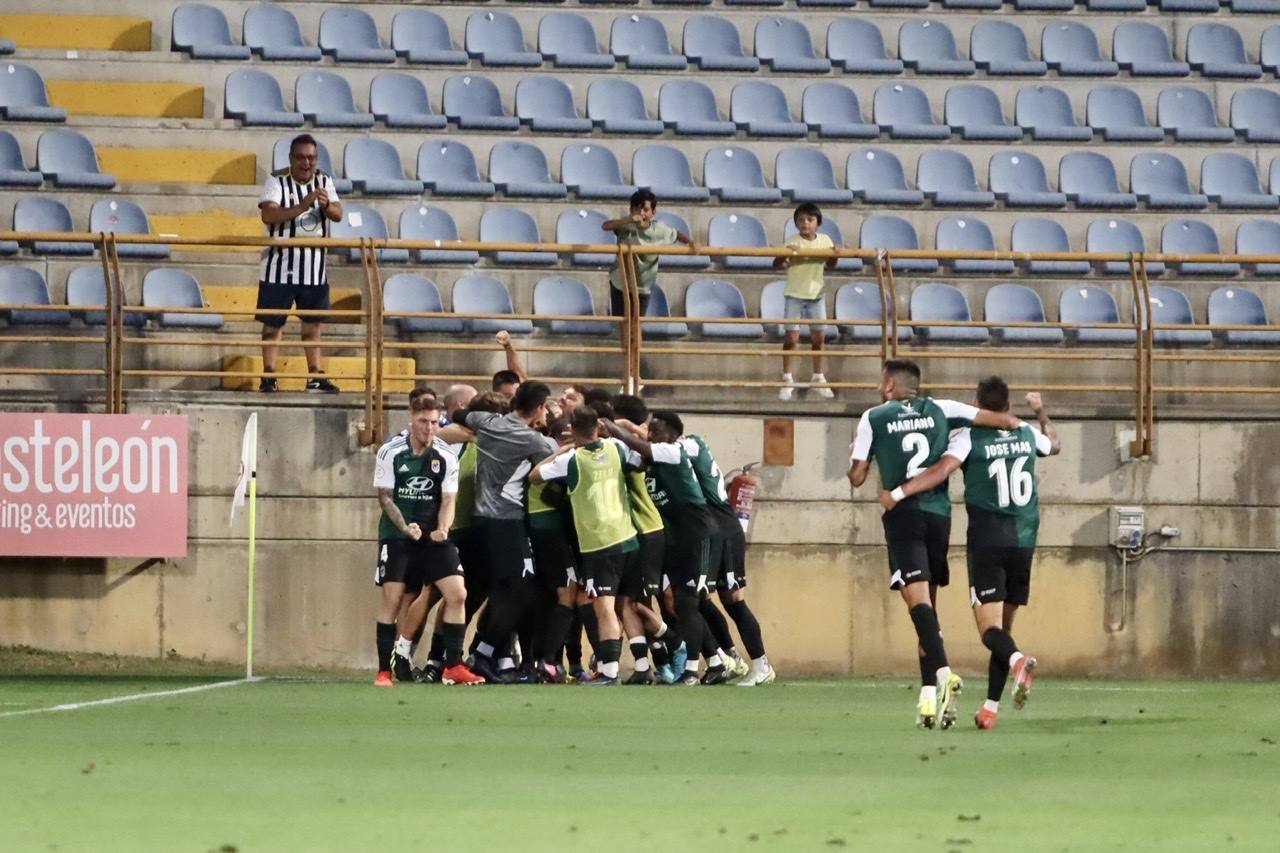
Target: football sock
<point x="610" y="651"/>
<point x="451" y="642"/>
<point x="716" y="623"/>
<point x="404" y="647"/>
<point x="691" y="625"/>
<point x="573" y="642"/>
<point x="386" y="642"/>
<point x="992" y="705"/>
<point x="748" y="628"/>
<point x="1000" y="643"/>
<point x="484" y="649"/>
<point x="506" y="663"/>
<point x="926" y="674"/>
<point x="926" y="621"/>
<point x="587" y="614"/>
<point x="640" y="652"/>
<point x="557" y="629"/>
<point x="665" y="643"/>
<point x="997" y="675"/>
<point x="435" y="653"/>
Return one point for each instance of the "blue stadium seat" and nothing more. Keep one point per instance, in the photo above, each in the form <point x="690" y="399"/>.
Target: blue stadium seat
<point x="1120" y="236"/>
<point x="254" y="97"/>
<point x="947" y="179"/>
<point x="832" y="111"/>
<point x="892" y="232"/>
<point x="1072" y="50"/>
<point x="860" y="300"/>
<point x="473" y="103"/>
<point x="1216" y="50"/>
<point x="202" y="32"/>
<point x="520" y="170"/>
<point x="784" y="45"/>
<point x="659" y="307"/>
<point x="1143" y="50"/>
<point x="495" y="38"/>
<point x="804" y="173"/>
<point x="1017" y="303"/>
<point x="761" y="110"/>
<point x="13" y="171"/>
<point x="972" y="4"/>
<point x="1269" y="49"/>
<point x="1018" y="179"/>
<point x="1176" y="6"/>
<point x="1256" y="7"/>
<point x="689" y="108"/>
<point x="35" y="213"/>
<point x="1236" y="306"/>
<point x="280" y="160"/>
<point x="713" y="298"/>
<point x="832" y="230"/>
<point x="665" y="170"/>
<point x="713" y="44"/>
<point x="928" y="47"/>
<point x="412" y="292"/>
<point x="25" y="286"/>
<point x="400" y="100"/>
<point x="900" y="4"/>
<point x="1045" y="235"/>
<point x="1230" y="181"/>
<point x="1045" y="113"/>
<point x="1089" y="180"/>
<point x="559" y="294"/>
<point x="967" y="233"/>
<point x="421" y="37"/>
<point x="1044" y="5"/>
<point x="733" y="174"/>
<point x="1255" y="115"/>
<point x="875" y="176"/>
<point x="1116" y="113"/>
<point x="544" y="103"/>
<point x="1159" y="180"/>
<point x="120" y="216"/>
<point x="420" y="222"/>
<point x="68" y="160"/>
<point x="1259" y="237"/>
<point x="360" y="220"/>
<point x="974" y="113"/>
<point x="567" y="40"/>
<point x="170" y="288"/>
<point x="740" y="230"/>
<point x="512" y="225"/>
<point x="583" y="226"/>
<point x="272" y="32"/>
<point x="773" y="306"/>
<point x="856" y="46"/>
<point x="1189" y="115"/>
<point x="943" y="303"/>
<point x="1194" y="237"/>
<point x="902" y="111"/>
<point x="7" y="47"/>
<point x="350" y="35"/>
<point x="641" y="42"/>
<point x="616" y="106"/>
<point x="1091" y="305"/>
<point x="680" y="262"/>
<point x="1171" y="306"/>
<point x="373" y="166"/>
<point x="23" y="96"/>
<point x="86" y="286"/>
<point x="1000" y="48"/>
<point x="325" y="100"/>
<point x="592" y="171"/>
<point x="482" y="294"/>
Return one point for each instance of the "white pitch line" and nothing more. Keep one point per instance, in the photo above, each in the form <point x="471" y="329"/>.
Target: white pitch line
<point x="132" y="697"/>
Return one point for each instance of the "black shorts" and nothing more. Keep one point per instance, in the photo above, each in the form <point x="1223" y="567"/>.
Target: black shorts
<point x="917" y="543"/>
<point x="554" y="561"/>
<point x="502" y="546"/>
<point x="1001" y="573"/>
<point x="602" y="571"/>
<point x="415" y="564"/>
<point x="642" y="575"/>
<point x="728" y="551"/>
<point x="308" y="297"/>
<point x="687" y="553"/>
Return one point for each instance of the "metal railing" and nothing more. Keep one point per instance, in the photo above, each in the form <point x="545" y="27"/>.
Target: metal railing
<point x="372" y="316"/>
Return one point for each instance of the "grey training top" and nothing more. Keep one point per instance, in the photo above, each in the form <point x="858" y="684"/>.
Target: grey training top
<point x="508" y="451"/>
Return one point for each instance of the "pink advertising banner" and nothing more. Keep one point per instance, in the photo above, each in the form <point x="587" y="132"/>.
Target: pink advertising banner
<point x="93" y="485"/>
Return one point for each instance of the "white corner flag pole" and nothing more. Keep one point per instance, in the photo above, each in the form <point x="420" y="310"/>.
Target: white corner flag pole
<point x="248" y="480"/>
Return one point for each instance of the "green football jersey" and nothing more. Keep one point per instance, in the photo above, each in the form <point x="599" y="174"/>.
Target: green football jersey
<point x="710" y="480"/>
<point x="417" y="484"/>
<point x="1000" y="476"/>
<point x="672" y="480"/>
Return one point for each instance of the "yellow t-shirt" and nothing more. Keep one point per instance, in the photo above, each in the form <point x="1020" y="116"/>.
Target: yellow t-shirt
<point x="804" y="275"/>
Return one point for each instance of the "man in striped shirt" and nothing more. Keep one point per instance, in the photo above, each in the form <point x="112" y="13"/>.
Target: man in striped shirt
<point x="298" y="203"/>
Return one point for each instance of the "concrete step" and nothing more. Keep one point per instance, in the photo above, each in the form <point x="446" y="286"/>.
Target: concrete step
<point x="347" y="372"/>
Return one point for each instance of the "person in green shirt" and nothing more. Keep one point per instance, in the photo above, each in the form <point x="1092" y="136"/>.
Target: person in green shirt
<point x="640" y="228"/>
<point x="1003" y="504"/>
<point x="804" y="297"/>
<point x="904" y="436"/>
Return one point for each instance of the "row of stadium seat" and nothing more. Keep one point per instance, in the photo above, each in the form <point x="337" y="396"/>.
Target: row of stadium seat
<point x="706" y="299"/>
<point x="854" y="45"/>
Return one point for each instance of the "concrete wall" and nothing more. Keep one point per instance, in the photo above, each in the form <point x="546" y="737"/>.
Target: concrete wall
<point x="816" y="562"/>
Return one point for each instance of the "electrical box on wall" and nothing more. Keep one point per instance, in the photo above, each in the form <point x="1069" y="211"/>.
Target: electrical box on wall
<point x="1128" y="524"/>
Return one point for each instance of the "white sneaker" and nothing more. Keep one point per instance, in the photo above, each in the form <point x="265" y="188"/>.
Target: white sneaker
<point x="758" y="676"/>
<point x="825" y="393"/>
<point x="786" y="392"/>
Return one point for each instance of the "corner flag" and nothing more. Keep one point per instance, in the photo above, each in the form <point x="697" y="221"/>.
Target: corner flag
<point x="248" y="481"/>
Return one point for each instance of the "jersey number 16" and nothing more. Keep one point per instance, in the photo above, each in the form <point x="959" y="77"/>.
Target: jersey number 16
<point x="1015" y="485"/>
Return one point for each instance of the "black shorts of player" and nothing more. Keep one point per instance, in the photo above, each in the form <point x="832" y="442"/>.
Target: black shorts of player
<point x="502" y="545"/>
<point x="642" y="575"/>
<point x="308" y="297"/>
<point x="415" y="564"/>
<point x="602" y="571"/>
<point x="999" y="569"/>
<point x="554" y="561"/>
<point x="917" y="543"/>
<point x="687" y="555"/>
<point x="728" y="550"/>
<point x="472" y="560"/>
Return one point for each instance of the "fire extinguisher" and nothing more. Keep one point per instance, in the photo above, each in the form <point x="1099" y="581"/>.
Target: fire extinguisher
<point x="742" y="495"/>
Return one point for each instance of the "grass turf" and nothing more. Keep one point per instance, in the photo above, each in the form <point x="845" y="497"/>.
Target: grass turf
<point x="306" y="764"/>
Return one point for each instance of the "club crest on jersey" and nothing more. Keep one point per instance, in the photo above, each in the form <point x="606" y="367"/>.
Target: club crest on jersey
<point x="435" y="466"/>
<point x="906" y="406"/>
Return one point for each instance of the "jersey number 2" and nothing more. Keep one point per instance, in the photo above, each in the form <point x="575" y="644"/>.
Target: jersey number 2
<point x="918" y="446"/>
<point x="1015" y="485"/>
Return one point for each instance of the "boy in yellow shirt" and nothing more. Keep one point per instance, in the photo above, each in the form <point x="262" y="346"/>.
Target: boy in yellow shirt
<point x="804" y="297"/>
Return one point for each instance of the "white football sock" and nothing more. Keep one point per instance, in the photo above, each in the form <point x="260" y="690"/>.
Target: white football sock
<point x="991" y="706"/>
<point x="404" y="647"/>
<point x="1014" y="658"/>
<point x="610" y="669"/>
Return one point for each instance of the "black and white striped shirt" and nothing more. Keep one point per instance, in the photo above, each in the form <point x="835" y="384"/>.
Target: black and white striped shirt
<point x="296" y="266"/>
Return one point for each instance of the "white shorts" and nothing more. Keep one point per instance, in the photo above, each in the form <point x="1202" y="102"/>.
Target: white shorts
<point x="803" y="309"/>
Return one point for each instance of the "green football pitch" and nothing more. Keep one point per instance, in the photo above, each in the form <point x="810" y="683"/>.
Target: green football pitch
<point x="335" y="764"/>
